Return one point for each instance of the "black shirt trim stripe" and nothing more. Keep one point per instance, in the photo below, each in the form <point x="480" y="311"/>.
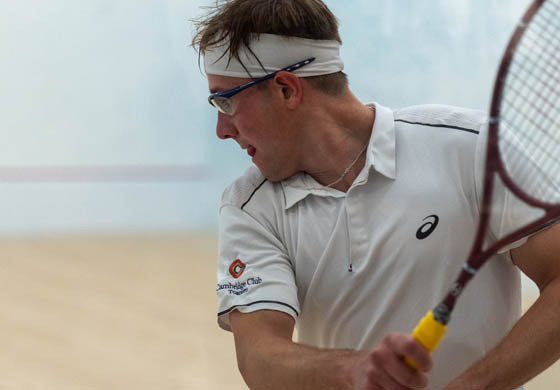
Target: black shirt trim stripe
<point x="254" y="192"/>
<point x="436" y="125"/>
<point x="257" y="302"/>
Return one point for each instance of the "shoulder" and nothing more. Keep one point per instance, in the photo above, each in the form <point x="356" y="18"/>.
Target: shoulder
<point x="447" y="138"/>
<point x="249" y="189"/>
<point x="253" y="200"/>
<point x="443" y="128"/>
<point x="442" y="116"/>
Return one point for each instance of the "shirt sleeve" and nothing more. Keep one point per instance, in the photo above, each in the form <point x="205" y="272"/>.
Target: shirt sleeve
<point x="254" y="271"/>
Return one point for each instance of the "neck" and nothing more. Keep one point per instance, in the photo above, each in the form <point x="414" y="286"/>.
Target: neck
<point x="338" y="133"/>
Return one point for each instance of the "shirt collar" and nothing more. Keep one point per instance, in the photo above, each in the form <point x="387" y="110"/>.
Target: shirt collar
<point x="380" y="157"/>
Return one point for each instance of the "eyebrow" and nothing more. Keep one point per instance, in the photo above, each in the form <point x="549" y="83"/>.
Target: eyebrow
<point x="217" y="89"/>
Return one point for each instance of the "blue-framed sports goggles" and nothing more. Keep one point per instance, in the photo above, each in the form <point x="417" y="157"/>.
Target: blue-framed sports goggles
<point x="222" y="100"/>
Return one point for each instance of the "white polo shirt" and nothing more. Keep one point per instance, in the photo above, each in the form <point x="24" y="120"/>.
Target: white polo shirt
<point x="352" y="267"/>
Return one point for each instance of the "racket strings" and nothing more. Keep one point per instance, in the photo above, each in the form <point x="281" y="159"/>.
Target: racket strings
<point x="539" y="109"/>
<point x="519" y="89"/>
<point x="544" y="79"/>
<point x="553" y="57"/>
<point x="529" y="138"/>
<point x="544" y="44"/>
<point x="518" y="106"/>
<point x="540" y="154"/>
<point x="544" y="75"/>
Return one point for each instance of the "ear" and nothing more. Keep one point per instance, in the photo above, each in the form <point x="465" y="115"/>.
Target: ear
<point x="289" y="89"/>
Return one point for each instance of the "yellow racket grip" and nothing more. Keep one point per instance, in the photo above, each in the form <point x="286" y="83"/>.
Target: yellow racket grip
<point x="428" y="332"/>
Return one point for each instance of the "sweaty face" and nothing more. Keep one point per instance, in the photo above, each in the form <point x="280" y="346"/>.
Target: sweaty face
<point x="258" y="127"/>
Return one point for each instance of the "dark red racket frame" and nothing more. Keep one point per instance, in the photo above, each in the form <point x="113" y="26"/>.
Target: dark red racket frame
<point x="495" y="164"/>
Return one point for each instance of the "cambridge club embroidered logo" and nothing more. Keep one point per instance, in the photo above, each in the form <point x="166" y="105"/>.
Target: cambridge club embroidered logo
<point x="236" y="268"/>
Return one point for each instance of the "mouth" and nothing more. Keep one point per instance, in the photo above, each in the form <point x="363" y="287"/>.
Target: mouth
<point x="251" y="150"/>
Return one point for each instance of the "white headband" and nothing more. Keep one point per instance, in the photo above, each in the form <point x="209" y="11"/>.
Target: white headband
<point x="275" y="52"/>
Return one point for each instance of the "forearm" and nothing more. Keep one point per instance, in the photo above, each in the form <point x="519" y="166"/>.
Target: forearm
<point x="284" y="365"/>
<point x="532" y="345"/>
<point x="269" y="360"/>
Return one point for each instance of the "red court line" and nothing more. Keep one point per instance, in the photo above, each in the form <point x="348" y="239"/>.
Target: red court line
<point x="102" y="173"/>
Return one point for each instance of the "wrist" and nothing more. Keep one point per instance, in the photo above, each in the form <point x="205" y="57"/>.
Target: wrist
<point x="464" y="382"/>
<point x="349" y="368"/>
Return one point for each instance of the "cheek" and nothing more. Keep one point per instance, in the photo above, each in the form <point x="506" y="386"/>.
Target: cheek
<point x="259" y="122"/>
<point x="252" y="124"/>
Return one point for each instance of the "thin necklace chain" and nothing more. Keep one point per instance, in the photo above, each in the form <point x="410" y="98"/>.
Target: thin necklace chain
<point x="353" y="162"/>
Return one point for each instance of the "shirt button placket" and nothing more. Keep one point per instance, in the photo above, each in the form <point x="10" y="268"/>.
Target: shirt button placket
<point x="357" y="229"/>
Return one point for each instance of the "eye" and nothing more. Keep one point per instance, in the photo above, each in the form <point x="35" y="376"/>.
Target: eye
<point x="226" y="105"/>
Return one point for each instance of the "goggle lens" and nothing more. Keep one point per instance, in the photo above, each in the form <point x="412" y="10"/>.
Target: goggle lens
<point x="222" y="104"/>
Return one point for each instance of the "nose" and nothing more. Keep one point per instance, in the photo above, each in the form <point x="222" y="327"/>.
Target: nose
<point x="224" y="127"/>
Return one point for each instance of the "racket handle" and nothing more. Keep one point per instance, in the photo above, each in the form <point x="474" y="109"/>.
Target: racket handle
<point x="428" y="332"/>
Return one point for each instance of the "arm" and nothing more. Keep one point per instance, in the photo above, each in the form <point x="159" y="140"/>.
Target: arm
<point x="534" y="342"/>
<point x="268" y="359"/>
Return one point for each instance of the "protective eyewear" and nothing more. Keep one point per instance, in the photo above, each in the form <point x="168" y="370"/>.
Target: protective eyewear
<point x="222" y="100"/>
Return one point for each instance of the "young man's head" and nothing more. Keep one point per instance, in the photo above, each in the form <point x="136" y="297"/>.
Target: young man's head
<point x="236" y="23"/>
<point x="273" y="45"/>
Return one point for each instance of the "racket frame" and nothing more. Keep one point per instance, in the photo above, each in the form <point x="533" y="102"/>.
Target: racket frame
<point x="495" y="165"/>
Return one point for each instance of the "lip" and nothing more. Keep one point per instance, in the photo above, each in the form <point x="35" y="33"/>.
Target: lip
<point x="251" y="150"/>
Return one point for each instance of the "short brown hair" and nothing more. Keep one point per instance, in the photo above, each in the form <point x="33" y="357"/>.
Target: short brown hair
<point x="239" y="21"/>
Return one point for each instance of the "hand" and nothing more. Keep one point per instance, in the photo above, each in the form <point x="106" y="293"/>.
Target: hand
<point x="383" y="367"/>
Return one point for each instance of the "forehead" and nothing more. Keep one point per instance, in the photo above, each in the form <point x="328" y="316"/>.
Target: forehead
<point x="223" y="83"/>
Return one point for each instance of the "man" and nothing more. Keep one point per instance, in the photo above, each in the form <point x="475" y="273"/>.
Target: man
<point x="355" y="221"/>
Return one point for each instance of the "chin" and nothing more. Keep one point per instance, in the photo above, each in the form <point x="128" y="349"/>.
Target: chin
<point x="274" y="176"/>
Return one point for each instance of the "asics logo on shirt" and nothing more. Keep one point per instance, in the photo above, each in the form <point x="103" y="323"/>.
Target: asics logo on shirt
<point x="427" y="228"/>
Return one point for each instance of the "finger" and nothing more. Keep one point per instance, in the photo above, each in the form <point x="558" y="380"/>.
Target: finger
<point x="378" y="378"/>
<point x="390" y="370"/>
<point x="406" y="346"/>
<point x="401" y="373"/>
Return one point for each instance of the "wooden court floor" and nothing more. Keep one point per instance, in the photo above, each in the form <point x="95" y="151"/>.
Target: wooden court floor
<point x="118" y="312"/>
